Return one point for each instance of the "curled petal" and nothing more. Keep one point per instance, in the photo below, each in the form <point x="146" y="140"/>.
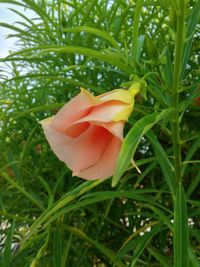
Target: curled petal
<point x="79" y="107"/>
<point x="117" y="95"/>
<point x="106" y="165"/>
<point x="109" y="111"/>
<point x="82" y="152"/>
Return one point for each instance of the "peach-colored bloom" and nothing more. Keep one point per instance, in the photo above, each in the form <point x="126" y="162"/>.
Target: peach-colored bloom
<point x="87" y="132"/>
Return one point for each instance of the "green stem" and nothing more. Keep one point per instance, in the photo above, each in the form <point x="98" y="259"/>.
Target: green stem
<point x="176" y="83"/>
<point x="136" y="24"/>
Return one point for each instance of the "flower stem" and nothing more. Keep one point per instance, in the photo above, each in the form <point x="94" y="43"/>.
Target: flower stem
<point x="176" y="83"/>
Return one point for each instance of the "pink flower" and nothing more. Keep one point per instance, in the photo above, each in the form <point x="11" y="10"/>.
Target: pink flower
<point x="87" y="132"/>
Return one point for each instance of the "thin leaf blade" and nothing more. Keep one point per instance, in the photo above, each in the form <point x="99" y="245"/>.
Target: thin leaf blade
<point x="181" y="235"/>
<point x="132" y="140"/>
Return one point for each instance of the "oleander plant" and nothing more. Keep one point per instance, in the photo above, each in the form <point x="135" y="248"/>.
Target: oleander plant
<point x="100" y="134"/>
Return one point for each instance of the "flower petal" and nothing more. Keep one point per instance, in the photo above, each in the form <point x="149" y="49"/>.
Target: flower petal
<point x="117" y="95"/>
<point x="88" y="148"/>
<point x="108" y="112"/>
<point x="81" y="152"/>
<point x="106" y="165"/>
<point x="116" y="128"/>
<point x="74" y="110"/>
<point x="75" y="130"/>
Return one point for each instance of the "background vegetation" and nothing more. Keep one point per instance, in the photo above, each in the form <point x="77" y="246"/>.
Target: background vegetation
<point x="48" y="217"/>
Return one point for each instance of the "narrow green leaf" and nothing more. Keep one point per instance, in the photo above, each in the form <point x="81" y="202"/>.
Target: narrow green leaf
<point x="25" y="18"/>
<point x="66" y="251"/>
<point x="58" y="77"/>
<point x="190" y="153"/>
<point x="161" y="215"/>
<point x="147" y="170"/>
<point x="141" y="39"/>
<point x="159" y="257"/>
<point x="12" y="2"/>
<point x="165" y="164"/>
<point x="156" y="91"/>
<point x="90" y="6"/>
<point x="191" y="24"/>
<point x="132" y="140"/>
<point x="194" y="261"/>
<point x="136" y="24"/>
<point x="193" y="185"/>
<point x="96" y="32"/>
<point x="57" y="246"/>
<point x="195" y="233"/>
<point x="151" y="49"/>
<point x="33" y="198"/>
<point x="8" y="247"/>
<point x="109" y="57"/>
<point x="181" y="235"/>
<point x="110" y="254"/>
<point x="137" y="244"/>
<point x="41" y="250"/>
<point x="67" y="198"/>
<point x="167" y="68"/>
<point x="37" y="8"/>
<point x="102" y="196"/>
<point x="37" y="109"/>
<point x="13" y="28"/>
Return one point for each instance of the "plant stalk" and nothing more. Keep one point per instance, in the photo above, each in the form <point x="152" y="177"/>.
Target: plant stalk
<point x="176" y="83"/>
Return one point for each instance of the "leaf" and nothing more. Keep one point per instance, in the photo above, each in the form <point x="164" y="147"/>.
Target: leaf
<point x="12" y="2"/>
<point x="159" y="257"/>
<point x="102" y="196"/>
<point x="136" y="23"/>
<point x="161" y="215"/>
<point x="110" y="254"/>
<point x="196" y="233"/>
<point x="37" y="8"/>
<point x="90" y="6"/>
<point x="163" y="160"/>
<point x="96" y="32"/>
<point x="33" y="198"/>
<point x="65" y="254"/>
<point x="151" y="49"/>
<point x="193" y="185"/>
<point x="181" y="235"/>
<point x="8" y="246"/>
<point x="191" y="24"/>
<point x="111" y="57"/>
<point x="147" y="170"/>
<point x="132" y="140"/>
<point x="138" y="244"/>
<point x="190" y="154"/>
<point x="13" y="28"/>
<point x="156" y="91"/>
<point x="67" y="198"/>
<point x="194" y="261"/>
<point x="167" y="68"/>
<point x="57" y="246"/>
<point x="142" y="244"/>
<point x="37" y="109"/>
<point x="141" y="39"/>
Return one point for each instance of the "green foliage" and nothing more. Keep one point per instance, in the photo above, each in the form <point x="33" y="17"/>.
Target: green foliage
<point x="48" y="217"/>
